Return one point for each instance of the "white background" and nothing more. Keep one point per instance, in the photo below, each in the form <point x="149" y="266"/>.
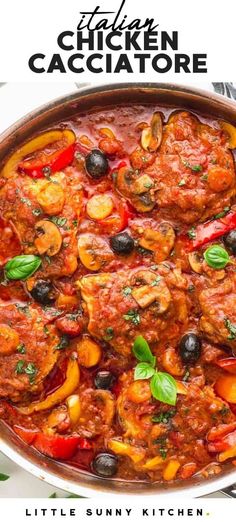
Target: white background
<point x="28" y="27"/>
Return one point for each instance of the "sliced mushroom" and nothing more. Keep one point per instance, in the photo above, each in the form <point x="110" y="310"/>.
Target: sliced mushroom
<point x="152" y="136"/>
<point x="107" y="402"/>
<point x="144" y="202"/>
<point x="160" y="241"/>
<point x="93" y="251"/>
<point x="195" y="262"/>
<point x="152" y="289"/>
<point x="142" y="184"/>
<point x="49" y="238"/>
<point x="124" y="180"/>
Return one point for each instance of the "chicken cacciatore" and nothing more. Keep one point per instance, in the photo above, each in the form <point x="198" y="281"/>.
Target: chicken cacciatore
<point x="118" y="293"/>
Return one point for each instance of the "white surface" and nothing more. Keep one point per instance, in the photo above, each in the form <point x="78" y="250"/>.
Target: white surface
<point x="17" y="99"/>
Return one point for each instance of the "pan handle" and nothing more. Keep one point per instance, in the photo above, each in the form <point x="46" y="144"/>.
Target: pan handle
<point x="230" y="491"/>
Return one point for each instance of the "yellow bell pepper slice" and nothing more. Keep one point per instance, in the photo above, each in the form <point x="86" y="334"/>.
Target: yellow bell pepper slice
<point x="38" y="143"/>
<point x="67" y="388"/>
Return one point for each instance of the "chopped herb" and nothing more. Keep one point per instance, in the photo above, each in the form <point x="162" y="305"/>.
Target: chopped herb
<point x="26" y="201"/>
<point x="20" y="367"/>
<point x="75" y="222"/>
<point x="186" y="376"/>
<point x="53" y="495"/>
<point x="36" y="211"/>
<point x="196" y="168"/>
<point x="74" y="316"/>
<point x="3" y="477"/>
<point x="204" y="177"/>
<point x="132" y="315"/>
<point x="59" y="221"/>
<point x="127" y="290"/>
<point x="143" y="251"/>
<point x="214" y="161"/>
<point x="224" y="411"/>
<point x="109" y="333"/>
<point x="114" y="176"/>
<point x="23" y="308"/>
<point x="231" y="329"/>
<point x="47" y="172"/>
<point x="52" y="311"/>
<point x="163" y="453"/>
<point x="223" y="213"/>
<point x="148" y="184"/>
<point x="192" y="233"/>
<point x="181" y="183"/>
<point x="21" y="348"/>
<point x="156" y="281"/>
<point x="164" y="416"/>
<point x="191" y="288"/>
<point x="64" y="342"/>
<point x="46" y="330"/>
<point x="31" y="371"/>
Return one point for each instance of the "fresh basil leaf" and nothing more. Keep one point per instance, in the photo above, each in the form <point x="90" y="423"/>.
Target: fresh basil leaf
<point x="3" y="477"/>
<point x="163" y="388"/>
<point x="143" y="370"/>
<point x="63" y="343"/>
<point x="142" y="351"/>
<point x="216" y="257"/>
<point x="21" y="267"/>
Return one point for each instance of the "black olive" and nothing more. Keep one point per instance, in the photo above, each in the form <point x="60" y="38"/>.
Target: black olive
<point x="104" y="380"/>
<point x="96" y="164"/>
<point x="230" y="241"/>
<point x="190" y="348"/>
<point x="105" y="464"/>
<point x="41" y="292"/>
<point x="122" y="243"/>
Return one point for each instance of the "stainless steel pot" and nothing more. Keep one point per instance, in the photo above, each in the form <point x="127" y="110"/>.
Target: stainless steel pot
<point x="87" y="99"/>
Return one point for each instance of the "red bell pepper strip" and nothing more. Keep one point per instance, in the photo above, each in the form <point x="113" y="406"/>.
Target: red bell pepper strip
<point x="58" y="160"/>
<point x="228" y="364"/>
<point x="58" y="447"/>
<point x="224" y="444"/>
<point x="217" y="432"/>
<point x="54" y="446"/>
<point x="28" y="436"/>
<point x="212" y="230"/>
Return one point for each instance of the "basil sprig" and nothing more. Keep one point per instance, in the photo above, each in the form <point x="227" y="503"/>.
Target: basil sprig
<point x="163" y="385"/>
<point x="21" y="267"/>
<point x="216" y="257"/>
